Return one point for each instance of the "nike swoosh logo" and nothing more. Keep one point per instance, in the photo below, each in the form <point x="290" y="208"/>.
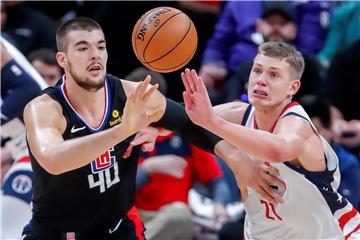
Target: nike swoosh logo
<point x="116" y="227"/>
<point x="74" y="130"/>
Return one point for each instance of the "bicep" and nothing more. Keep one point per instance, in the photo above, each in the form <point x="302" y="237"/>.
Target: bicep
<point x="294" y="133"/>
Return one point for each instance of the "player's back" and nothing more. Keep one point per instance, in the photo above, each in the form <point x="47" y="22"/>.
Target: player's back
<point x="312" y="208"/>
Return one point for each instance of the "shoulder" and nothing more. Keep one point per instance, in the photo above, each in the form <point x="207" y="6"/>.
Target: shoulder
<point x="43" y="109"/>
<point x="43" y="101"/>
<point x="232" y="111"/>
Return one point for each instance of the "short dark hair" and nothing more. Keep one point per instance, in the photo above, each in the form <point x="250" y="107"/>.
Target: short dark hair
<point x="284" y="50"/>
<point x="44" y="55"/>
<point x="78" y="23"/>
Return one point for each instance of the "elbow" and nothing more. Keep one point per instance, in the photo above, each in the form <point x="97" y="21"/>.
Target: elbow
<point x="275" y="154"/>
<point x="50" y="165"/>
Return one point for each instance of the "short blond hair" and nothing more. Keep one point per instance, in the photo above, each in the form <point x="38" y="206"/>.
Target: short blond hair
<point x="284" y="50"/>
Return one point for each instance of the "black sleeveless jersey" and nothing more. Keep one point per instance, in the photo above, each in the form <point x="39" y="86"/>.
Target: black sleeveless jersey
<point x="98" y="194"/>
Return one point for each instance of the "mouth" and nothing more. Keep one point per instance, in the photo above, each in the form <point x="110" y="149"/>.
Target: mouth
<point x="95" y="68"/>
<point x="260" y="93"/>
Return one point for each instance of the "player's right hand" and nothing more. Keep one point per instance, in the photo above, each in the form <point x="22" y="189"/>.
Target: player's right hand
<point x="258" y="176"/>
<point x="135" y="116"/>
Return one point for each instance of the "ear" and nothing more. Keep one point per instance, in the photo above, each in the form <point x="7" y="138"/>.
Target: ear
<point x="60" y="58"/>
<point x="294" y="87"/>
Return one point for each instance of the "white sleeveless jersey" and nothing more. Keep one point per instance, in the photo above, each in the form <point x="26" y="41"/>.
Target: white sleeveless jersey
<point x="312" y="208"/>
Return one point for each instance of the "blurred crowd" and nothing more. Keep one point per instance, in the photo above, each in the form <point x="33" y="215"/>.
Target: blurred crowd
<point x="182" y="191"/>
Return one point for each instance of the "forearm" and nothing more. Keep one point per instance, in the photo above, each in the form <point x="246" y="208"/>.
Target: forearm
<point x="259" y="144"/>
<point x="176" y="119"/>
<point x="75" y="153"/>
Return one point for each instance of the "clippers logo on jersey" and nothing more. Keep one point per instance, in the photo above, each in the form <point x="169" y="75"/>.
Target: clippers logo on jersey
<point x="103" y="162"/>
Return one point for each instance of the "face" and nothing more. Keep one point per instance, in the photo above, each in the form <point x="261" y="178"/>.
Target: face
<point x="85" y="58"/>
<point x="50" y="73"/>
<point x="277" y="28"/>
<point x="271" y="82"/>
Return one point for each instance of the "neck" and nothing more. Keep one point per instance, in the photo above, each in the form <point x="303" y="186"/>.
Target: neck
<point x="89" y="104"/>
<point x="266" y="117"/>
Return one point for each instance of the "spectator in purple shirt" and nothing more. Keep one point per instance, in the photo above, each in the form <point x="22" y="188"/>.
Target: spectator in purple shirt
<point x="235" y="40"/>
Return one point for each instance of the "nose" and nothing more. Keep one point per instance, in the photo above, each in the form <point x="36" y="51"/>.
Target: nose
<point x="261" y="80"/>
<point x="95" y="53"/>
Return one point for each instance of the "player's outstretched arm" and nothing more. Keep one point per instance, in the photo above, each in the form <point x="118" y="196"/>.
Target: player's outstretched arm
<point x="260" y="144"/>
<point x="45" y="125"/>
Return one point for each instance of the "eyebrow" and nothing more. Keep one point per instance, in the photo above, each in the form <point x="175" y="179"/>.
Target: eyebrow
<point x="275" y="68"/>
<point x="85" y="42"/>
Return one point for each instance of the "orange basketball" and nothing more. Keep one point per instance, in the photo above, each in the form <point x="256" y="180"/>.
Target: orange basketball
<point x="164" y="39"/>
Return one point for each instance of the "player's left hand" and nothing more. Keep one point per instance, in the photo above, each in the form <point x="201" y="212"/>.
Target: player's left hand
<point x="146" y="138"/>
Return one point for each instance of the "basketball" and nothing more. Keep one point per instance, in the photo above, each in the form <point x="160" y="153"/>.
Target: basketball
<point x="164" y="39"/>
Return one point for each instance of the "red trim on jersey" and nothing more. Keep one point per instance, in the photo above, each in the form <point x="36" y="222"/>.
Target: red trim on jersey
<point x="355" y="229"/>
<point x="282" y="111"/>
<point x="345" y="218"/>
<point x="25" y="159"/>
<point x="134" y="216"/>
<point x="72" y="106"/>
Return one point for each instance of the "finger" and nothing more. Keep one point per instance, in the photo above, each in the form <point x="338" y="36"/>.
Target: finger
<point x="140" y="90"/>
<point x="190" y="80"/>
<point x="128" y="151"/>
<point x="139" y="139"/>
<point x="271" y="170"/>
<point x="263" y="191"/>
<point x="274" y="181"/>
<point x="185" y="82"/>
<point x="137" y="92"/>
<point x="195" y="79"/>
<point x="187" y="100"/>
<point x="148" y="93"/>
<point x="273" y="194"/>
<point x="148" y="147"/>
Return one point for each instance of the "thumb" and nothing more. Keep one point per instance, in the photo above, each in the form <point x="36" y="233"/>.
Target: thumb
<point x="156" y="115"/>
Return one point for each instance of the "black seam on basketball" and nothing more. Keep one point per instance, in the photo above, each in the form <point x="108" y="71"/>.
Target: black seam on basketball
<point x="135" y="47"/>
<point x="183" y="63"/>
<point x="155" y="34"/>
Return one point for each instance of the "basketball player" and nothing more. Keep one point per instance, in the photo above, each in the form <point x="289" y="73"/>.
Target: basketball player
<point x="274" y="129"/>
<point x="78" y="131"/>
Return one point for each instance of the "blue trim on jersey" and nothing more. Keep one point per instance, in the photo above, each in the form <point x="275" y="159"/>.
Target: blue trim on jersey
<point x="246" y="115"/>
<point x="295" y="114"/>
<point x="107" y="111"/>
<point x="19" y="185"/>
<point x="322" y="180"/>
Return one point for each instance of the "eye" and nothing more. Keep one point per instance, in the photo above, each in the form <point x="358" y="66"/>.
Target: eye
<point x="102" y="48"/>
<point x="257" y="70"/>
<point x="82" y="49"/>
<point x="274" y="75"/>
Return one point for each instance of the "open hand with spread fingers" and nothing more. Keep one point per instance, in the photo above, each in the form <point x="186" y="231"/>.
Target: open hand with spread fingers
<point x="196" y="99"/>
